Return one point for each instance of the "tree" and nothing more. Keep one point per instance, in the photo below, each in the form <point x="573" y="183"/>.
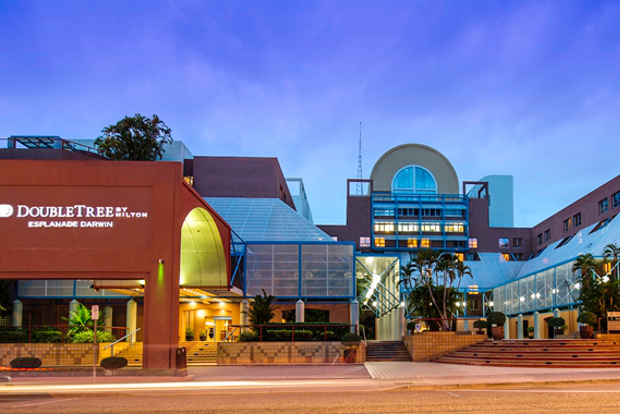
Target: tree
<point x="80" y="321"/>
<point x="136" y="138"/>
<point x="262" y="311"/>
<point x="586" y="265"/>
<point x="446" y="269"/>
<point x="612" y="251"/>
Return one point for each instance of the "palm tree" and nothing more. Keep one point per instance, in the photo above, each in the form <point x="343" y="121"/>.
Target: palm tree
<point x="262" y="310"/>
<point x="586" y="266"/>
<point x="612" y="251"/>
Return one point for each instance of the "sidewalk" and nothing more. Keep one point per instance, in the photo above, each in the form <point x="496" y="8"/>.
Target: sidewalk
<point x="418" y="375"/>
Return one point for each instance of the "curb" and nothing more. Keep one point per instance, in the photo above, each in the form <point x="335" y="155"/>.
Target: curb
<point x="504" y="385"/>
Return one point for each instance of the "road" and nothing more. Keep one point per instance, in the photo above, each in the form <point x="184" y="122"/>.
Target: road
<point x="597" y="399"/>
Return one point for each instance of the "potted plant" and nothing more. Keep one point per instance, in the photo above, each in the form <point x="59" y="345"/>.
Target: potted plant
<point x="589" y="319"/>
<point x="556" y="323"/>
<point x="189" y="333"/>
<point x="480" y="325"/>
<point x="530" y="332"/>
<point x="496" y="320"/>
<point x="203" y="334"/>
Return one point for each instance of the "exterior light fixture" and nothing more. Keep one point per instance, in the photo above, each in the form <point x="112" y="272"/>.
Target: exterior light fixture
<point x="374" y="303"/>
<point x="606" y="279"/>
<point x="402" y="304"/>
<point x="491" y="303"/>
<point x="161" y="261"/>
<point x="522" y="298"/>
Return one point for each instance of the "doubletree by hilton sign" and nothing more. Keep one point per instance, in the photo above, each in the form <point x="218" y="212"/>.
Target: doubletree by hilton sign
<point x="75" y="216"/>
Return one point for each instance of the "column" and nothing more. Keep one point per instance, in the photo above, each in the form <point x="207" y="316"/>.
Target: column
<point x="299" y="311"/>
<point x="402" y="324"/>
<point x="73" y="305"/>
<point x="520" y="326"/>
<point x="507" y="329"/>
<point x="131" y="319"/>
<point x="244" y="307"/>
<point x="107" y="318"/>
<point x="18" y="313"/>
<point x="354" y="316"/>
<point x="536" y="325"/>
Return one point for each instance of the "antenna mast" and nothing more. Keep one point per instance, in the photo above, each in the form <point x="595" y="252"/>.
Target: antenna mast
<point x="359" y="164"/>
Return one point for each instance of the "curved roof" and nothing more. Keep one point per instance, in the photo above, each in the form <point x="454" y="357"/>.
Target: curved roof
<point x="415" y="154"/>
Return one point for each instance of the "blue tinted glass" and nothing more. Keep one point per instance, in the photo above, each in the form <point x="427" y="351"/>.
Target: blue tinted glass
<point x="423" y="179"/>
<point x="404" y="180"/>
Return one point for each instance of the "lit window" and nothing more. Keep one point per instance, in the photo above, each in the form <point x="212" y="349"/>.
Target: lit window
<point x="567" y="225"/>
<point x="615" y="200"/>
<point x="364" y="241"/>
<point x="503" y="242"/>
<point x="412" y="243"/>
<point x="431" y="227"/>
<point x="506" y="257"/>
<point x="547" y="234"/>
<point x="603" y="206"/>
<point x="426" y="243"/>
<point x="407" y="227"/>
<point x="379" y="241"/>
<point x="460" y="257"/>
<point x="607" y="267"/>
<point x="335" y="238"/>
<point x="473" y="242"/>
<point x="384" y="227"/>
<point x="414" y="179"/>
<point x="517" y="242"/>
<point x="455" y="228"/>
<point x="577" y="220"/>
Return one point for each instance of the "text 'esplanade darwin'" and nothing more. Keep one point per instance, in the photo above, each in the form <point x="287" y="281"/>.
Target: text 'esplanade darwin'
<point x="76" y="211"/>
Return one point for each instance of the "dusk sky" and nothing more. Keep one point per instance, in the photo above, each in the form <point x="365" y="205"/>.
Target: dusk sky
<point x="530" y="89"/>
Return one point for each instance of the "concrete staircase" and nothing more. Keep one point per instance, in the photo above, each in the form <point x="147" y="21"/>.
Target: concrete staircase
<point x="200" y="353"/>
<point x="132" y="353"/>
<point x="384" y="351"/>
<point x="560" y="353"/>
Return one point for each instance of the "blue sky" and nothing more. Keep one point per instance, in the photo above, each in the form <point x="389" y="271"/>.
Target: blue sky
<point x="530" y="89"/>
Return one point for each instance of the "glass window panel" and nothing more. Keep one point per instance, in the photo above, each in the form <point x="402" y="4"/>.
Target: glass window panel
<point x="423" y="179"/>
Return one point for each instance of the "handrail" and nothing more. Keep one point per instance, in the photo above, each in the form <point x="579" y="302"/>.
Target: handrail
<point x="230" y="333"/>
<point x="118" y="340"/>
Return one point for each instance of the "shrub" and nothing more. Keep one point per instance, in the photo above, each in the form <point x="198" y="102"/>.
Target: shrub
<point x="588" y="318"/>
<point x="556" y="322"/>
<point x="351" y="337"/>
<point x="480" y="324"/>
<point x="47" y="336"/>
<point x="530" y="329"/>
<point x="496" y="318"/>
<point x="87" y="336"/>
<point x="113" y="362"/>
<point x="13" y="335"/>
<point x="26" y="362"/>
<point x="286" y="335"/>
<point x="248" y="337"/>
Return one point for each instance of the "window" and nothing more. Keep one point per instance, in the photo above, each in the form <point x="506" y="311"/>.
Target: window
<point x="518" y="256"/>
<point x="577" y="220"/>
<point x="335" y="238"/>
<point x="615" y="200"/>
<point x="383" y="212"/>
<point x="364" y="241"/>
<point x="473" y="304"/>
<point x="414" y="179"/>
<point x="408" y="227"/>
<point x="567" y="225"/>
<point x="431" y="227"/>
<point x="473" y="242"/>
<point x="547" y="234"/>
<point x="540" y="238"/>
<point x="517" y="242"/>
<point x="426" y="243"/>
<point x="455" y="228"/>
<point x="503" y="242"/>
<point x="506" y="257"/>
<point x="460" y="257"/>
<point x="384" y="227"/>
<point x="379" y="241"/>
<point x="412" y="243"/>
<point x="603" y="206"/>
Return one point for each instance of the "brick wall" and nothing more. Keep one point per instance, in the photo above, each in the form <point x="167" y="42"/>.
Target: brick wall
<point x="427" y="345"/>
<point x="247" y="353"/>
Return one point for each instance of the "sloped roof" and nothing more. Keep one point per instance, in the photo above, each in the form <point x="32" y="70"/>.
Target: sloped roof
<point x="266" y="219"/>
<point x="492" y="270"/>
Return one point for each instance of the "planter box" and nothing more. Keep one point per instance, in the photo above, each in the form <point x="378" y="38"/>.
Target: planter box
<point x="274" y="353"/>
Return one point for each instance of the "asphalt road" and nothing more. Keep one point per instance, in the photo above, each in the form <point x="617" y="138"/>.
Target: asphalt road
<point x="576" y="399"/>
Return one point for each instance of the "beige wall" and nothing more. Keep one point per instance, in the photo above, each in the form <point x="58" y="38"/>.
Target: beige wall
<point x="398" y="157"/>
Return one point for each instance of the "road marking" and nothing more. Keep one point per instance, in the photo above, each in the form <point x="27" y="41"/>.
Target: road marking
<point x="45" y="402"/>
<point x="564" y="390"/>
<point x="453" y="394"/>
